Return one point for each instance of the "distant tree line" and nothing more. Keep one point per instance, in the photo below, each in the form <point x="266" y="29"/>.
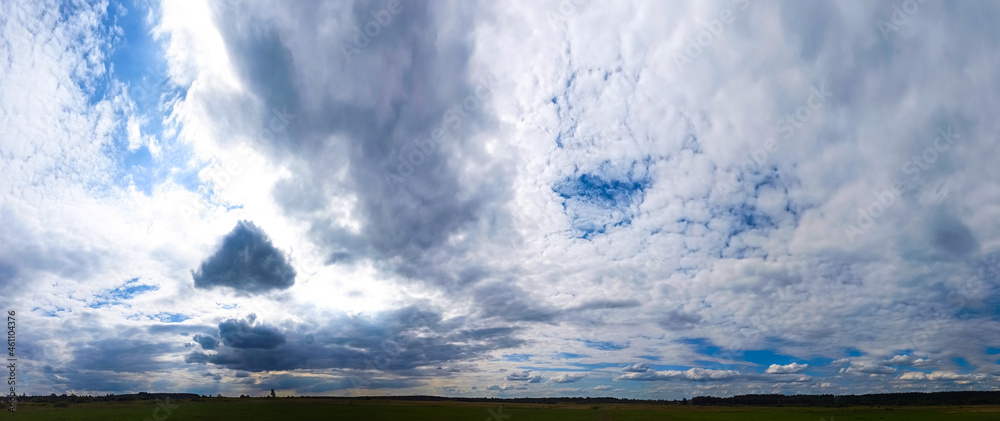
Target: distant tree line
<point x="880" y="399"/>
<point x="141" y="396"/>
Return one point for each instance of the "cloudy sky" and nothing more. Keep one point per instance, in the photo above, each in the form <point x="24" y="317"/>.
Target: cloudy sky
<point x="575" y="198"/>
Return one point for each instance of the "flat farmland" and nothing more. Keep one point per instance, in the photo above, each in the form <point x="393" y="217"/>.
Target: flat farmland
<point x="377" y="409"/>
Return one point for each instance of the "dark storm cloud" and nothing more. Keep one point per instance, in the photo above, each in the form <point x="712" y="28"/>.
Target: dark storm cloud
<point x="245" y="335"/>
<point x="122" y="355"/>
<point x="206" y="342"/>
<point x="411" y="340"/>
<point x="7" y="273"/>
<point x="247" y="262"/>
<point x="316" y="384"/>
<point x="364" y="125"/>
<point x="71" y="378"/>
<point x="607" y="304"/>
<point x="678" y="320"/>
<point x="950" y="235"/>
<point x="507" y="301"/>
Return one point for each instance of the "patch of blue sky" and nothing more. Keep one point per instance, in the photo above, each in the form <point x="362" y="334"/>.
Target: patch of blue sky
<point x="118" y="295"/>
<point x="569" y="356"/>
<point x="759" y="358"/>
<point x="517" y="357"/>
<point x="765" y="358"/>
<point x="54" y="312"/>
<point x="604" y="345"/>
<point x="95" y="81"/>
<point x="171" y="317"/>
<point x="136" y="60"/>
<point x="603" y="198"/>
<point x="703" y="346"/>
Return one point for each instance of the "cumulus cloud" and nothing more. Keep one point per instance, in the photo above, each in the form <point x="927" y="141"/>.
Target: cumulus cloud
<point x="246" y="262"/>
<point x="244" y="334"/>
<point x="637" y="367"/>
<point x="693" y="374"/>
<point x="907" y="360"/>
<point x="866" y="368"/>
<point x="413" y="340"/>
<point x="206" y="342"/>
<point x="942" y="376"/>
<point x="524" y="376"/>
<point x="786" y="369"/>
<point x="567" y="378"/>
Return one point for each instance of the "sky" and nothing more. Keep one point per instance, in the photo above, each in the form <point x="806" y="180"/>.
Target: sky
<point x="653" y="200"/>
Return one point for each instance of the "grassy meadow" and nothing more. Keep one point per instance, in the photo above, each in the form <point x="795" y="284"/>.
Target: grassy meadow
<point x="375" y="409"/>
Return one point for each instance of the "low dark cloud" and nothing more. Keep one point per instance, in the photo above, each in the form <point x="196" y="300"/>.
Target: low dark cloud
<point x="243" y="334"/>
<point x="524" y="376"/>
<point x="412" y="340"/>
<point x="605" y="345"/>
<point x="247" y="262"/>
<point x="509" y="302"/>
<point x="637" y="368"/>
<point x="122" y="355"/>
<point x="206" y="342"/>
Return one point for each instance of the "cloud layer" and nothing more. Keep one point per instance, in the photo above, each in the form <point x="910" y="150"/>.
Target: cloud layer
<point x="650" y="200"/>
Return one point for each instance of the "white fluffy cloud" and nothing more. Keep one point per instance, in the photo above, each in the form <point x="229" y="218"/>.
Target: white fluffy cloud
<point x="786" y="369"/>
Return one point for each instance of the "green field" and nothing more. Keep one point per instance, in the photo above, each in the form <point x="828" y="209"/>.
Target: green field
<point x="343" y="409"/>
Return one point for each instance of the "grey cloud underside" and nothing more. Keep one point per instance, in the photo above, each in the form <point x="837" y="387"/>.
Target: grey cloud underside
<point x="130" y="356"/>
<point x="247" y="262"/>
<point x="347" y="137"/>
<point x="206" y="342"/>
<point x="411" y="340"/>
<point x="243" y="334"/>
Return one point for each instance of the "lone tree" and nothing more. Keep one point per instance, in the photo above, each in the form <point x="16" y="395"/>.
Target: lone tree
<point x="272" y="393"/>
